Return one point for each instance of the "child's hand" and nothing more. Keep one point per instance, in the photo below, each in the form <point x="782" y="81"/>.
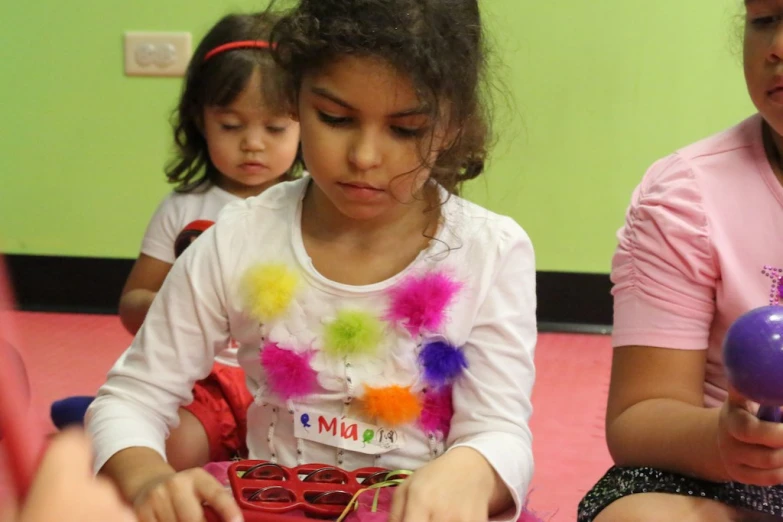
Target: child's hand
<point x="65" y="489"/>
<point x="180" y="497"/>
<point x="456" y="487"/>
<point x="751" y="449"/>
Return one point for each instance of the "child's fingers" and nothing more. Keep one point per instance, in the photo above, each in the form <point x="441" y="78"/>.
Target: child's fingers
<point x="398" y="503"/>
<point x="758" y="457"/>
<point x="217" y="497"/>
<point x="746" y="427"/>
<point x="417" y="511"/>
<point x="159" y="499"/>
<point x="186" y="505"/>
<point x="122" y="513"/>
<point x="127" y="515"/>
<point x="114" y="508"/>
<point x="735" y="398"/>
<point x="182" y="497"/>
<point x="146" y="513"/>
<point x="71" y="447"/>
<point x="764" y="478"/>
<point x="185" y="498"/>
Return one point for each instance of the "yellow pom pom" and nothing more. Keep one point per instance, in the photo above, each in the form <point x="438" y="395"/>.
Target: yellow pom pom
<point x="393" y="405"/>
<point x="268" y="290"/>
<point x="352" y="333"/>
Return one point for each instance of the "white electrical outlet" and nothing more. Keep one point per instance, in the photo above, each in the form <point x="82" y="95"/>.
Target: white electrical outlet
<point x="156" y="54"/>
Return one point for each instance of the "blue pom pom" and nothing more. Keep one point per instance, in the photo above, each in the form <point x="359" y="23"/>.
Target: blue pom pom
<point x="442" y="362"/>
<point x="70" y="411"/>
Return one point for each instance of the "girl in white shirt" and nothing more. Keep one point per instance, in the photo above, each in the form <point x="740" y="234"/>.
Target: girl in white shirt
<point x="381" y="319"/>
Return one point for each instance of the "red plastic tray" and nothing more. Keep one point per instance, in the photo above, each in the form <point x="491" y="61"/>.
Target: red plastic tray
<point x="268" y="492"/>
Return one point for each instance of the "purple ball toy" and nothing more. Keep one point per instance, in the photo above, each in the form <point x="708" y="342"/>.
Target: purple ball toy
<point x="753" y="356"/>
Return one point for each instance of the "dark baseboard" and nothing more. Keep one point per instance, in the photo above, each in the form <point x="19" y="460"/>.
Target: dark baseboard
<point x="574" y="302"/>
<point x="567" y="302"/>
<point x="67" y="284"/>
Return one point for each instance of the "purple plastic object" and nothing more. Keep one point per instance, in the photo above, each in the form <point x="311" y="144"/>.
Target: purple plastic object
<point x="753" y="356"/>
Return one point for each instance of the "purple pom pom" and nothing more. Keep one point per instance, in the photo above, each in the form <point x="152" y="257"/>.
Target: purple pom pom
<point x="442" y="362"/>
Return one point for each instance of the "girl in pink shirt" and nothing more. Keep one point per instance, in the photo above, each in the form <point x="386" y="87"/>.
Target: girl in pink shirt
<point x="702" y="244"/>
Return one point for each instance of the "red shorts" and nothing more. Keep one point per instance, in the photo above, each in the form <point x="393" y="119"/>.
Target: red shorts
<point x="220" y="403"/>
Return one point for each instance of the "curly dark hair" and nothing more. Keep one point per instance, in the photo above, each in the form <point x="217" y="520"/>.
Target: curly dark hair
<point x="217" y="82"/>
<point x="438" y="44"/>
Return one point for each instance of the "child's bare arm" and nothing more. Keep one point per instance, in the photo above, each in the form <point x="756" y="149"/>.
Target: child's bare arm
<point x="64" y="488"/>
<point x="157" y="492"/>
<point x="140" y="289"/>
<point x="656" y="415"/>
<point x="134" y="468"/>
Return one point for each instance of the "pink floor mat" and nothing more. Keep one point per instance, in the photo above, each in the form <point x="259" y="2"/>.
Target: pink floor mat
<point x="69" y="354"/>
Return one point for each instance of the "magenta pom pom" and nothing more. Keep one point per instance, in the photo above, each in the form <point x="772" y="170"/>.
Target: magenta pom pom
<point x="289" y="373"/>
<point x="442" y="362"/>
<point x="437" y="410"/>
<point x="419" y="304"/>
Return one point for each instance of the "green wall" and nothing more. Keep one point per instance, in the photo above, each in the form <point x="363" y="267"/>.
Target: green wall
<point x="598" y="90"/>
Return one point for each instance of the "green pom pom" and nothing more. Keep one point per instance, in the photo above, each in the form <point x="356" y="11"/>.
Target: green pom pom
<point x="353" y="333"/>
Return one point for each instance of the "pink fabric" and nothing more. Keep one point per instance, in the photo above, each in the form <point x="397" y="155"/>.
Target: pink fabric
<point x="219" y="470"/>
<point x="701" y="226"/>
<point x="364" y="512"/>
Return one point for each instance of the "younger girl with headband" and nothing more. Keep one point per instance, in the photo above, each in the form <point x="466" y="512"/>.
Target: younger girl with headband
<point x="235" y="138"/>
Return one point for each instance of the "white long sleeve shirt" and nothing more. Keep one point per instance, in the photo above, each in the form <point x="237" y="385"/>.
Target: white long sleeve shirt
<point x="491" y="318"/>
<point x="177" y="211"/>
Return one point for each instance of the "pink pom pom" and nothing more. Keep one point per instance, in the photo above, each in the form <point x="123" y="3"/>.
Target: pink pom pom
<point x="437" y="410"/>
<point x="420" y="303"/>
<point x="289" y="373"/>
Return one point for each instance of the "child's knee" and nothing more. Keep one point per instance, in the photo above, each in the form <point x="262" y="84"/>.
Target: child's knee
<point x="188" y="444"/>
<point x="661" y="507"/>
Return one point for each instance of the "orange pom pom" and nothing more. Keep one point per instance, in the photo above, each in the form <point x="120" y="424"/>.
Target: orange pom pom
<point x="393" y="405"/>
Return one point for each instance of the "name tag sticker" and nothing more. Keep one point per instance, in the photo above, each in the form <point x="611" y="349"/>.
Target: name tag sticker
<point x="344" y="432"/>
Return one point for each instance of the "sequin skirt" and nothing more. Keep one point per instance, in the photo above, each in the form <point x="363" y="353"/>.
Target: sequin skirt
<point x="622" y="482"/>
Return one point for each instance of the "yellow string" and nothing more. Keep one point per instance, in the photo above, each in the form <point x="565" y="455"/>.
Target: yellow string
<point x="354" y="504"/>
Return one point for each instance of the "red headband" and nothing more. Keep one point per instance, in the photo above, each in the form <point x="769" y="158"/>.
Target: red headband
<point x="244" y="44"/>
